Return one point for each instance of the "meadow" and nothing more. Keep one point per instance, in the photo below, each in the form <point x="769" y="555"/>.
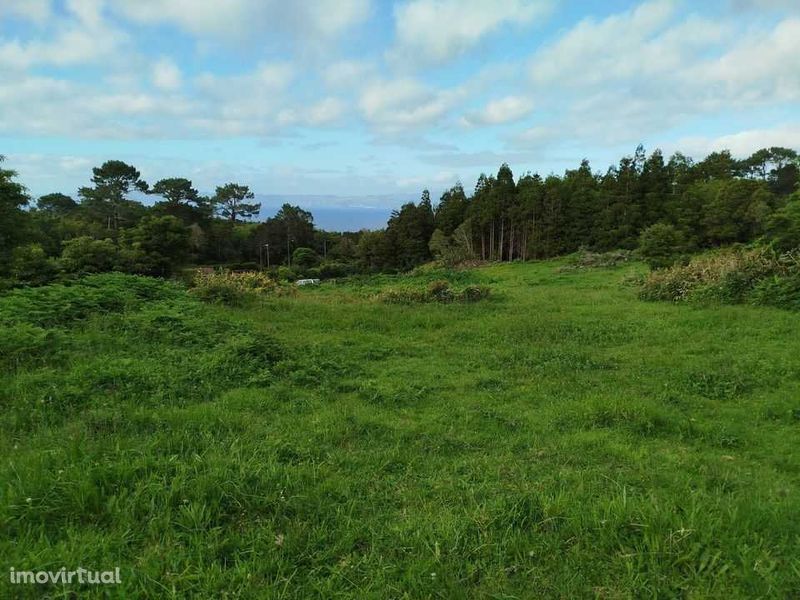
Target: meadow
<point x="560" y="438"/>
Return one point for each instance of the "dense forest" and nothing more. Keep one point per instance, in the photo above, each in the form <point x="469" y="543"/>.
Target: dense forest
<point x="677" y="202"/>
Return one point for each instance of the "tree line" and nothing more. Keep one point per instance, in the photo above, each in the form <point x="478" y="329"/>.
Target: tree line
<point x="677" y="201"/>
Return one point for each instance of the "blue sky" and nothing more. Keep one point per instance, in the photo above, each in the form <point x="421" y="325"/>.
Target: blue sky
<point x="361" y="102"/>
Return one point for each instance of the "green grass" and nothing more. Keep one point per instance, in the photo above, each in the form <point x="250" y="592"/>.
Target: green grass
<point x="560" y="439"/>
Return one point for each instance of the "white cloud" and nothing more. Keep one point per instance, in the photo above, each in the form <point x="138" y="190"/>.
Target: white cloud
<point x="347" y="73"/>
<point x="395" y="105"/>
<point x="761" y="67"/>
<point x="434" y="31"/>
<point x="306" y="20"/>
<point x="325" y="111"/>
<point x="32" y="10"/>
<point x="743" y="143"/>
<point x="642" y="42"/>
<point x="82" y="37"/>
<point x="502" y="110"/>
<point x="166" y="75"/>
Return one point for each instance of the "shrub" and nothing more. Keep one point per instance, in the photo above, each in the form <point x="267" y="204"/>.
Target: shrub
<point x="586" y="259"/>
<point x="473" y="293"/>
<point x="783" y="227"/>
<point x="232" y="288"/>
<point x="778" y="291"/>
<point x="440" y="291"/>
<point x="437" y="291"/>
<point x="85" y="254"/>
<point x="30" y="264"/>
<point x="661" y="245"/>
<point x="733" y="275"/>
<point x="304" y="258"/>
<point x="329" y="270"/>
<point x="154" y="246"/>
<point x="61" y="305"/>
<point x="287" y="274"/>
<point x="23" y="343"/>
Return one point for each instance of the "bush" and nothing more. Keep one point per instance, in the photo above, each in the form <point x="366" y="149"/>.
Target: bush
<point x="440" y="291"/>
<point x="304" y="258"/>
<point x="473" y="293"/>
<point x="730" y="276"/>
<point x="62" y="305"/>
<point x="661" y="245"/>
<point x="85" y="254"/>
<point x="287" y="274"/>
<point x="330" y="270"/>
<point x="23" y="343"/>
<point x="154" y="246"/>
<point x="586" y="259"/>
<point x="30" y="265"/>
<point x="783" y="227"/>
<point x="437" y="291"/>
<point x="232" y="288"/>
<point x="778" y="291"/>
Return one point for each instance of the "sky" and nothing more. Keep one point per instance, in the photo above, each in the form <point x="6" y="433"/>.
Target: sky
<point x="363" y="103"/>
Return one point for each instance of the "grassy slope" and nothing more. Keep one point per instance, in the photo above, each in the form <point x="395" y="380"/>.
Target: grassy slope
<point x="562" y="439"/>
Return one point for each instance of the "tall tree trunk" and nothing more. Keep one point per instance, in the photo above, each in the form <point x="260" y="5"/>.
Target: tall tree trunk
<point x="502" y="234"/>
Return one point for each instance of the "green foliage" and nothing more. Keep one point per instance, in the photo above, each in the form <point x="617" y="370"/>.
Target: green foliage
<point x="451" y="250"/>
<point x="780" y="291"/>
<point x="436" y="291"/>
<point x="13" y="197"/>
<point x="586" y="259"/>
<point x="155" y="246"/>
<point x="783" y="227"/>
<point x="230" y="202"/>
<point x="730" y="276"/>
<point x="56" y="204"/>
<point x="232" y="288"/>
<point x="23" y="344"/>
<point x="61" y="305"/>
<point x="304" y="258"/>
<point x="661" y="245"/>
<point x="570" y="442"/>
<point x="30" y="264"/>
<point x="84" y="254"/>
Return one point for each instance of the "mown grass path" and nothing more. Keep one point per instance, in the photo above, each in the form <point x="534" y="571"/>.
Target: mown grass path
<point x="562" y="439"/>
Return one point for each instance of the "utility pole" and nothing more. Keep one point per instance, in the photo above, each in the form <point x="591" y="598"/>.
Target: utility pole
<point x="267" y="247"/>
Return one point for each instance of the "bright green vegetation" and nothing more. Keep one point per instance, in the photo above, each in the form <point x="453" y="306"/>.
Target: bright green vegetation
<point x="559" y="439"/>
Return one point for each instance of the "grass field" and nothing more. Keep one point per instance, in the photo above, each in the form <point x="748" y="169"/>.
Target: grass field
<point x="560" y="439"/>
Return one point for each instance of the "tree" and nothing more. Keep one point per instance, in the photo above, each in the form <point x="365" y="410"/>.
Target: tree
<point x="230" y="202"/>
<point x="660" y="245"/>
<point x="58" y="205"/>
<point x="155" y="246"/>
<point x="408" y="233"/>
<point x="30" y="264"/>
<point x="13" y="197"/>
<point x="108" y="200"/>
<point x="304" y="258"/>
<point x="737" y="212"/>
<point x="783" y="226"/>
<point x="371" y="250"/>
<point x="718" y="165"/>
<point x="181" y="200"/>
<point x="84" y="254"/>
<point x="453" y="249"/>
<point x="451" y="210"/>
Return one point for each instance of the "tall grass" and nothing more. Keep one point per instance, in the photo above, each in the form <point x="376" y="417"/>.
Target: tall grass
<point x="732" y="276"/>
<point x="568" y="441"/>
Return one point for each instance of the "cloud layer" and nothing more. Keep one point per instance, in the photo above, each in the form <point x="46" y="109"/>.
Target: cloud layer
<point x="411" y="89"/>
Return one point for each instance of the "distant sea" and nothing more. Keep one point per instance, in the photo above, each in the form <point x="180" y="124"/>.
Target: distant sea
<point x="339" y="213"/>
